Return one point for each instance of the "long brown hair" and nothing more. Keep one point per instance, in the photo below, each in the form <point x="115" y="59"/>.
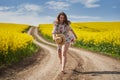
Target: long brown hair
<point x="66" y="21"/>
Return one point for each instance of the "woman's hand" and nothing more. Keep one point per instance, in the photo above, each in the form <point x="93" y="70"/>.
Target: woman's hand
<point x="73" y="40"/>
<point x="54" y="37"/>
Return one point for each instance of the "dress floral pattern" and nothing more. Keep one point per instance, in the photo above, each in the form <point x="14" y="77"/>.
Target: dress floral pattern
<point x="63" y="29"/>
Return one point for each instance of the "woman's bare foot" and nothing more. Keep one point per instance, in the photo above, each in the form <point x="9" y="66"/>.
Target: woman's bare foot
<point x="63" y="72"/>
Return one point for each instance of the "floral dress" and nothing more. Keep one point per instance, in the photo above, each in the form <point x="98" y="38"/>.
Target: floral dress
<point x="63" y="29"/>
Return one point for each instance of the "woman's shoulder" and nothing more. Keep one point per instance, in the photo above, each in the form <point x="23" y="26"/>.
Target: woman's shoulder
<point x="55" y="22"/>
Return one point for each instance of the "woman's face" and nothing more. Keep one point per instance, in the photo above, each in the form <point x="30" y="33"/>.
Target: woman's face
<point x="62" y="18"/>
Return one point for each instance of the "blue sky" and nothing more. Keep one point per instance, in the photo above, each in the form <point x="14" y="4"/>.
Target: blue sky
<point x="35" y="12"/>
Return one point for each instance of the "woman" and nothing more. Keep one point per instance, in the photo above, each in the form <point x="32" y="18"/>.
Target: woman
<point x="62" y="26"/>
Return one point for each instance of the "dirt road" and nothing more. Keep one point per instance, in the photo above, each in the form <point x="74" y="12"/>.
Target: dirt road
<point x="81" y="65"/>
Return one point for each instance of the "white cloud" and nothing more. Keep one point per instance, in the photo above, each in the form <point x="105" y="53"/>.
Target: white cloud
<point x="75" y="18"/>
<point x="23" y="9"/>
<point x="57" y="5"/>
<point x="83" y="17"/>
<point x="30" y="7"/>
<point x="32" y="19"/>
<point x="86" y="3"/>
<point x="3" y="8"/>
<point x="25" y="14"/>
<point x="29" y="14"/>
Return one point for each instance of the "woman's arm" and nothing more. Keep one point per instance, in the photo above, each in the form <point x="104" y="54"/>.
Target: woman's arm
<point x="54" y="30"/>
<point x="53" y="35"/>
<point x="70" y="29"/>
<point x="73" y="33"/>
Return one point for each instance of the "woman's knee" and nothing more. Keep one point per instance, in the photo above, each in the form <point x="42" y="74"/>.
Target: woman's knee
<point x="64" y="53"/>
<point x="59" y="49"/>
<point x="59" y="52"/>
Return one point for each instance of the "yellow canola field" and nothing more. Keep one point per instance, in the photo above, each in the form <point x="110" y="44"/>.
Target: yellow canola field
<point x="91" y="31"/>
<point x="12" y="38"/>
<point x="98" y="32"/>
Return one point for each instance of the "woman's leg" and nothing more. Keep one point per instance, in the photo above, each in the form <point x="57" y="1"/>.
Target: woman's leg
<point x="64" y="56"/>
<point x="59" y="52"/>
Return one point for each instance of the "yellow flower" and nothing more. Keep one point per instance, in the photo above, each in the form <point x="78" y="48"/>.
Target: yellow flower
<point x="12" y="38"/>
<point x="98" y="32"/>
